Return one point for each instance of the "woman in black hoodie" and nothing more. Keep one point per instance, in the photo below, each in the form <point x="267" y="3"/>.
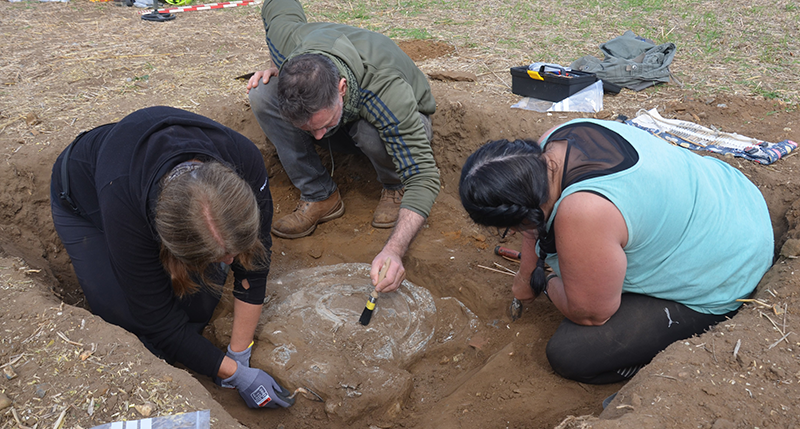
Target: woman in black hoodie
<point x="154" y="211"/>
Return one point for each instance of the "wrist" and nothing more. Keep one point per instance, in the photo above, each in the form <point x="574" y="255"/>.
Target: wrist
<point x="227" y="368"/>
<point x="245" y="350"/>
<point x="242" y="377"/>
<point x="395" y="247"/>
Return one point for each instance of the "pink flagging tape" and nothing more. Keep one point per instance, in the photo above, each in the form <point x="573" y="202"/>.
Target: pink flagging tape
<point x="209" y="6"/>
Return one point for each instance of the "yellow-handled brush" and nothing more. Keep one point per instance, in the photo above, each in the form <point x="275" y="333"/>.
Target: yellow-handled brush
<point x="366" y="315"/>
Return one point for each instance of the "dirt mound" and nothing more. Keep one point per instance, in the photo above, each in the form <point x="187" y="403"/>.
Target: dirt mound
<point x="358" y="370"/>
<point x="63" y="364"/>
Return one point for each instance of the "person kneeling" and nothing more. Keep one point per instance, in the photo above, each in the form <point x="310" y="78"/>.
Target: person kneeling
<point x="154" y="211"/>
<point x="645" y="247"/>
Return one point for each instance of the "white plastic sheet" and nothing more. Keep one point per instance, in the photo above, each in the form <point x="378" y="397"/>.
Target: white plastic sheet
<point x="589" y="99"/>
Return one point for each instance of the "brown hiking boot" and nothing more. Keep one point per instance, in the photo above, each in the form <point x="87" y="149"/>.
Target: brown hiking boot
<point x="305" y="217"/>
<point x="388" y="208"/>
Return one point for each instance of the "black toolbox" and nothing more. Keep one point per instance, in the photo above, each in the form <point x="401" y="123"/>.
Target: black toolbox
<point x="547" y="85"/>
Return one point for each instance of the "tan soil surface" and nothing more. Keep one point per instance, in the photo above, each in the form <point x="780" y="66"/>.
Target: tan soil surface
<point x="70" y="67"/>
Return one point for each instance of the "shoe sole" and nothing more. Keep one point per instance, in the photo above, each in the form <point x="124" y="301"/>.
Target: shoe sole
<point x="383" y="225"/>
<point x="336" y="214"/>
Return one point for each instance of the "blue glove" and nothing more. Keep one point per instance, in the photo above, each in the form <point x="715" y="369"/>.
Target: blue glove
<point x="241" y="358"/>
<point x="259" y="389"/>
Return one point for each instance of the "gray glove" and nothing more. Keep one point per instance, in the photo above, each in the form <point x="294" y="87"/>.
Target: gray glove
<point x="242" y="358"/>
<point x="259" y="389"/>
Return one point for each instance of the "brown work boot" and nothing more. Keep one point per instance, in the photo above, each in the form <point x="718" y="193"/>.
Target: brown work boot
<point x="305" y="217"/>
<point x="388" y="208"/>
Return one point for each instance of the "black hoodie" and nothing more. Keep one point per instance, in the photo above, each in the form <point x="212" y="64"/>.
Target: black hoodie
<point x="114" y="173"/>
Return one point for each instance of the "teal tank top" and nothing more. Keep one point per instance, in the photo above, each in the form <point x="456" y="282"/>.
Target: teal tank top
<point x="699" y="232"/>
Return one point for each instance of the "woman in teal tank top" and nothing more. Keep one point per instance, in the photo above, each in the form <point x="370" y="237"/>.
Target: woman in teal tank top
<point x="648" y="243"/>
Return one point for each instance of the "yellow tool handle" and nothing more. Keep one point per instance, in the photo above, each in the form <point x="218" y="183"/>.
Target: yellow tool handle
<point x="535" y="75"/>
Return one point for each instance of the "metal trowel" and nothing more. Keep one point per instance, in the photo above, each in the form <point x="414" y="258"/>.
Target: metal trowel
<point x="307" y="393"/>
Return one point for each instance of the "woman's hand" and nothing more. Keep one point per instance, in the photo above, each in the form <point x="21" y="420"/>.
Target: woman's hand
<point x="241" y="358"/>
<point x="259" y="389"/>
<point x="521" y="288"/>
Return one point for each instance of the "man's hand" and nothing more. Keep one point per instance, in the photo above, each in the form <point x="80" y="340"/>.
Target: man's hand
<point x="262" y="76"/>
<point x="259" y="389"/>
<point x="394" y="275"/>
<point x="408" y="225"/>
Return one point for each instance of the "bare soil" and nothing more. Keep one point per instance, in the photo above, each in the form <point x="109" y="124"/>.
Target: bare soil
<point x="70" y="67"/>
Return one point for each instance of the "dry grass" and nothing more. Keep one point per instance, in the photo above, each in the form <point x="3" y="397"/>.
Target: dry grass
<point x="77" y="373"/>
<point x="74" y="64"/>
<point x="86" y="61"/>
<point x="739" y="46"/>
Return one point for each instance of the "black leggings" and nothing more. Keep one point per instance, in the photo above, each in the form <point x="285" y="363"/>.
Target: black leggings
<point x="88" y="250"/>
<point x="631" y="338"/>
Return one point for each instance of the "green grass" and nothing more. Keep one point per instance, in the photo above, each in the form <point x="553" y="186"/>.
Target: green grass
<point x="644" y="5"/>
<point x="409" y="33"/>
<point x="510" y="43"/>
<point x="450" y="21"/>
<point x="718" y="42"/>
<point x="239" y="11"/>
<point x="771" y="95"/>
<point x="356" y="12"/>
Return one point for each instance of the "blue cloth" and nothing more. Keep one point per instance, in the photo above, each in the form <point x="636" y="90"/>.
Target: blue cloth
<point x="763" y="152"/>
<point x="699" y="232"/>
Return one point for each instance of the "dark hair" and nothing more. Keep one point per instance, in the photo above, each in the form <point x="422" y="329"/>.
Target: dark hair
<point x="308" y="83"/>
<point x="203" y="215"/>
<point x="505" y="183"/>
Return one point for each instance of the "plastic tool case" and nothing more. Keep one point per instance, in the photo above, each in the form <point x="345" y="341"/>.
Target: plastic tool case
<point x="550" y="86"/>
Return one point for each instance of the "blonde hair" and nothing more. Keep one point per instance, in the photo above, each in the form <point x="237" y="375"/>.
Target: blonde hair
<point x="204" y="213"/>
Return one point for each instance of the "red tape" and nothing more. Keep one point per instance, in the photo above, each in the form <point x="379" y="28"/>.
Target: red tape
<point x="209" y="6"/>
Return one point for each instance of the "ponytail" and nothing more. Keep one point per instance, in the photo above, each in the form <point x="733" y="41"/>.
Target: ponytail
<point x="504" y="183"/>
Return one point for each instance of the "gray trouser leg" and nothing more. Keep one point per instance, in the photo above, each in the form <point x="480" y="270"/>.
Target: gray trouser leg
<point x="295" y="148"/>
<point x="365" y="137"/>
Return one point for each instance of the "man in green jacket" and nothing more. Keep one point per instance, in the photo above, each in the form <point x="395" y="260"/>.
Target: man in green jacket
<point x="352" y="90"/>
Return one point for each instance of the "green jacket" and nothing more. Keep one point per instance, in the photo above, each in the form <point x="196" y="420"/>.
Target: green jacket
<point x="392" y="89"/>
